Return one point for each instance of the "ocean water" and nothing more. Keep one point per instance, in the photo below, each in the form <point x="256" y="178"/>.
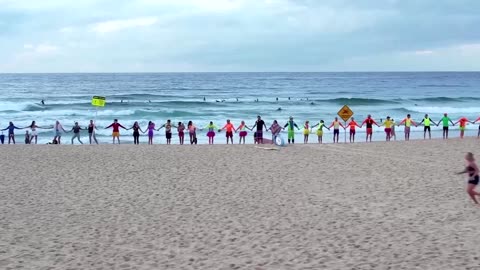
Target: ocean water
<point x="180" y="97"/>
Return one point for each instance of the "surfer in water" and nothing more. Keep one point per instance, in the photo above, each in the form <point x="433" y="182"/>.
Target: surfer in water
<point x="42" y="102"/>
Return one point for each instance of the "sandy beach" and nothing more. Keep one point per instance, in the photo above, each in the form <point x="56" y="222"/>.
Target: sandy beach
<point x="395" y="205"/>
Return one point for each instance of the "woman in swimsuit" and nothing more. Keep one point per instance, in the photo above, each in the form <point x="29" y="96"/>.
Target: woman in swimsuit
<point x="11" y="132"/>
<point x="192" y="131"/>
<point x="181" y="132"/>
<point x="473" y="176"/>
<point x="91" y="132"/>
<point x="243" y="132"/>
<point x="58" y="132"/>
<point x="150" y="128"/>
<point x="136" y="134"/>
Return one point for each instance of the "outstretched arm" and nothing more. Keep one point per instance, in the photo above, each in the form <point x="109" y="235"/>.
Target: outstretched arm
<point x="122" y="126"/>
<point x="109" y="126"/>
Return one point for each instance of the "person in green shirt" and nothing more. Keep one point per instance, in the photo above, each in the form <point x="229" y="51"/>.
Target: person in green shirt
<point x="427" y="122"/>
<point x="445" y="122"/>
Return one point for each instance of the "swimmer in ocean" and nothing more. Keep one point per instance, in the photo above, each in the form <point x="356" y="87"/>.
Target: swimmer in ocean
<point x="279" y="109"/>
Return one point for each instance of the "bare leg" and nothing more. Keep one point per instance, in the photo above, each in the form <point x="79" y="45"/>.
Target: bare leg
<point x="472" y="193"/>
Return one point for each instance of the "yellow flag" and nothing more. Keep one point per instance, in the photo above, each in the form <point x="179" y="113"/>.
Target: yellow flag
<point x="98" y="101"/>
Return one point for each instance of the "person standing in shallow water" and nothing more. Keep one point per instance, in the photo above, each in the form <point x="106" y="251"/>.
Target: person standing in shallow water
<point x="427" y="122"/>
<point x="320" y="126"/>
<point x="136" y="132"/>
<point x="181" y="132"/>
<point x="211" y="132"/>
<point x="369" y="122"/>
<point x="58" y="132"/>
<point x="336" y="129"/>
<point x="91" y="132"/>
<point x="229" y="127"/>
<point x="192" y="132"/>
<point x="352" y="126"/>
<point x="243" y="132"/>
<point x="473" y="176"/>
<point x="445" y="123"/>
<point x="168" y="130"/>
<point x="150" y="128"/>
<point x="291" y="132"/>
<point x="259" y="124"/>
<point x="76" y="132"/>
<point x="11" y="132"/>
<point x="408" y="122"/>
<point x="116" y="130"/>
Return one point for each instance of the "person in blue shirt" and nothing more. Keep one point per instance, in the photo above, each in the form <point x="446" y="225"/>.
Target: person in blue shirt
<point x="11" y="132"/>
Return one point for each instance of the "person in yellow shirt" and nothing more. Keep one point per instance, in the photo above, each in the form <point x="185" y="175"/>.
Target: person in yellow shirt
<point x="408" y="122"/>
<point x="388" y="123"/>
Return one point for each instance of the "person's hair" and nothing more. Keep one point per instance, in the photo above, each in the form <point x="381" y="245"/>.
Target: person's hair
<point x="179" y="123"/>
<point x="190" y="123"/>
<point x="470" y="156"/>
<point x="33" y="123"/>
<point x="115" y="119"/>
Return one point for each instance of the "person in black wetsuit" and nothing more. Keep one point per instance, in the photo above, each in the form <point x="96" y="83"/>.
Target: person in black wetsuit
<point x="91" y="132"/>
<point x="473" y="176"/>
<point x="136" y="134"/>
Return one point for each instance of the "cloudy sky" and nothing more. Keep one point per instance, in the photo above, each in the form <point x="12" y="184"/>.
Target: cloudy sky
<point x="238" y="35"/>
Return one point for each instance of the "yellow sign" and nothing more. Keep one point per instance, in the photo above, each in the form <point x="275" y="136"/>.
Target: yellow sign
<point x="345" y="113"/>
<point x="98" y="101"/>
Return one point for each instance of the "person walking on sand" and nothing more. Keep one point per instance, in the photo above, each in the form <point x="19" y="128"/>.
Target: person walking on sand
<point x="136" y="132"/>
<point x="388" y="128"/>
<point x="181" y="132"/>
<point x="408" y="122"/>
<point x="320" y="126"/>
<point x="192" y="132"/>
<point x="11" y="132"/>
<point x="116" y="130"/>
<point x="259" y="124"/>
<point x="168" y="130"/>
<point x="58" y="131"/>
<point x="76" y="132"/>
<point x="473" y="176"/>
<point x="336" y="129"/>
<point x="291" y="132"/>
<point x="445" y="122"/>
<point x="463" y="125"/>
<point x="306" y="131"/>
<point x="229" y="128"/>
<point x="369" y="122"/>
<point x="91" y="132"/>
<point x="352" y="126"/>
<point x="151" y="129"/>
<point x="427" y="122"/>
<point x="275" y="128"/>
<point x="243" y="132"/>
<point x="211" y="132"/>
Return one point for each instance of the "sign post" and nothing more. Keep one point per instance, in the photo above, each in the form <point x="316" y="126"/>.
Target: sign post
<point x="345" y="113"/>
<point x="98" y="101"/>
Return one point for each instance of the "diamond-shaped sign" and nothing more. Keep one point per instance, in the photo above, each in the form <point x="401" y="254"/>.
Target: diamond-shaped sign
<point x="345" y="113"/>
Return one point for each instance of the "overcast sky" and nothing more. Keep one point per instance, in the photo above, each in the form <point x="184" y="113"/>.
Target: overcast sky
<point x="238" y="35"/>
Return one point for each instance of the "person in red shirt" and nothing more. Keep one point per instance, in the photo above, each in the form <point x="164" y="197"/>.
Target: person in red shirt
<point x="229" y="128"/>
<point x="116" y="130"/>
<point x="463" y="125"/>
<point x="352" y="126"/>
<point x="369" y="122"/>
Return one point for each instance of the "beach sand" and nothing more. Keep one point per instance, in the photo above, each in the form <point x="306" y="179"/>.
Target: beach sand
<point x="395" y="205"/>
